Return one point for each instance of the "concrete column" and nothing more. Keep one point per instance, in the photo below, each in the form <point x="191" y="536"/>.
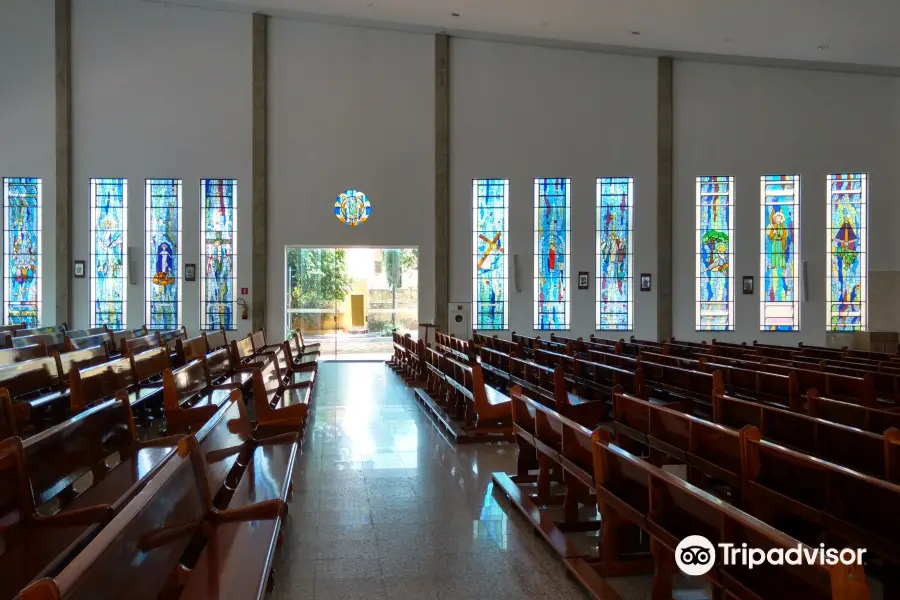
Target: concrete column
<point x="441" y="179"/>
<point x="260" y="168"/>
<point x="664" y="183"/>
<point x="63" y="228"/>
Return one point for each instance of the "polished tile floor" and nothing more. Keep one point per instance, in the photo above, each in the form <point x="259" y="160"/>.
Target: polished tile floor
<point x="385" y="507"/>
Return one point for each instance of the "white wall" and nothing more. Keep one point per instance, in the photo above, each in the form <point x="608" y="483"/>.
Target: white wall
<point x="27" y="117"/>
<point x="349" y="108"/>
<point x="520" y="112"/>
<point x="751" y="121"/>
<point x="160" y="91"/>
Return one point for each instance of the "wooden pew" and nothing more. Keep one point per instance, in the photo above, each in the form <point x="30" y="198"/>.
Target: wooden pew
<point x="406" y="359"/>
<point x="858" y="390"/>
<point x="487" y="409"/>
<point x="170" y="337"/>
<point x="189" y="349"/>
<point x="635" y="496"/>
<point x="230" y="518"/>
<point x="300" y="358"/>
<point x="137" y="345"/>
<point x="79" y="359"/>
<point x="877" y="455"/>
<point x="868" y="419"/>
<point x="79" y="333"/>
<point x="94" y="385"/>
<point x="40" y="330"/>
<point x="221" y="373"/>
<point x="694" y="390"/>
<point x="243" y="354"/>
<point x="99" y="339"/>
<point x="55" y="462"/>
<point x="37" y="395"/>
<point x="12" y="356"/>
<point x="780" y="389"/>
<point x="187" y="399"/>
<point x="55" y="342"/>
<point x="279" y="405"/>
<point x="495" y="364"/>
<point x="215" y="339"/>
<point x="118" y="338"/>
<point x="261" y="346"/>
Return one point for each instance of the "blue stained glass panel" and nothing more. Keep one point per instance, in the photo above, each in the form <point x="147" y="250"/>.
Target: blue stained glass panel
<point x="551" y="253"/>
<point x="109" y="240"/>
<point x="218" y="244"/>
<point x="163" y="253"/>
<point x="779" y="296"/>
<point x="715" y="254"/>
<point x="615" y="294"/>
<point x="847" y="279"/>
<point x="22" y="273"/>
<point x="490" y="256"/>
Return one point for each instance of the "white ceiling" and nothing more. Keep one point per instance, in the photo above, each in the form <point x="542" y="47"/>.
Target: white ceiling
<point x="857" y="32"/>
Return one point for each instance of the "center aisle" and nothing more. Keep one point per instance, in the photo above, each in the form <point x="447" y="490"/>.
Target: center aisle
<point x="384" y="507"/>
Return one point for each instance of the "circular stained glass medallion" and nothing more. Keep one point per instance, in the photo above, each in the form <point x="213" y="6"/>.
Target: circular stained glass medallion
<point x="352" y="208"/>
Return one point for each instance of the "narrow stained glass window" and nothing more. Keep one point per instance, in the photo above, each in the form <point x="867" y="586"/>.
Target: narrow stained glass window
<point x="551" y="253"/>
<point x="163" y="247"/>
<point x="615" y="295"/>
<point x="779" y="297"/>
<point x="218" y="244"/>
<point x="715" y="254"/>
<point x="491" y="260"/>
<point x="22" y="269"/>
<point x="847" y="280"/>
<point x="109" y="239"/>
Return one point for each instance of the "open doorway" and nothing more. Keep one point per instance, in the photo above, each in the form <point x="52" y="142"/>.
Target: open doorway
<point x="350" y="299"/>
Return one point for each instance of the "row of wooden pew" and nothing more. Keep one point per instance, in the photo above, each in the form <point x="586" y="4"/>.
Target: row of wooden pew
<point x="101" y="500"/>
<point x="788" y="450"/>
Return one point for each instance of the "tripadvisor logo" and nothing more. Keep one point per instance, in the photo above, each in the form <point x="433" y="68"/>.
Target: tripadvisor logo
<point x="696" y="555"/>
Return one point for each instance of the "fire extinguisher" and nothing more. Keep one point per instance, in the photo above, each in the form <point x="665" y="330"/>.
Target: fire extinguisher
<point x="244" y="309"/>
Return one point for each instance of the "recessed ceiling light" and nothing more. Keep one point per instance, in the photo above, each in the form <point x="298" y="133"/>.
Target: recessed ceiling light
<point x="454" y="14"/>
<point x="824" y="47"/>
<point x="635" y="33"/>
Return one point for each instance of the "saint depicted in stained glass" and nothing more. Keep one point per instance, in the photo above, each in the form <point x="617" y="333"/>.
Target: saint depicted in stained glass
<point x="715" y="243"/>
<point x="218" y="246"/>
<point x="491" y="210"/>
<point x="847" y="269"/>
<point x="109" y="236"/>
<point x="352" y="208"/>
<point x="614" y="292"/>
<point x="780" y="242"/>
<point x="163" y="244"/>
<point x="551" y="253"/>
<point x="22" y="225"/>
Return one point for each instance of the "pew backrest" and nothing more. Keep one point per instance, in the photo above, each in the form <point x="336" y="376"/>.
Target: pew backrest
<point x="89" y="341"/>
<point x="12" y="356"/>
<point x="39" y="330"/>
<point x="54" y="341"/>
<point x="191" y="348"/>
<point x="216" y="339"/>
<point x="150" y="364"/>
<point x="93" y="384"/>
<point x="80" y="359"/>
<point x="30" y="377"/>
<point x="140" y="344"/>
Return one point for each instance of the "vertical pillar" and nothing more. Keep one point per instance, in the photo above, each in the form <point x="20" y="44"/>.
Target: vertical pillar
<point x="664" y="152"/>
<point x="260" y="168"/>
<point x="63" y="225"/>
<point x="441" y="179"/>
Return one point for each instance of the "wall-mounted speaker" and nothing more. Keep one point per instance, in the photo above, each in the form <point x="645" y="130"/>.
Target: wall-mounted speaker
<point x="805" y="281"/>
<point x="516" y="272"/>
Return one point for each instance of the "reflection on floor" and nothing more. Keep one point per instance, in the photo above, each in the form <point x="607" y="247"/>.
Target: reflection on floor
<point x="384" y="507"/>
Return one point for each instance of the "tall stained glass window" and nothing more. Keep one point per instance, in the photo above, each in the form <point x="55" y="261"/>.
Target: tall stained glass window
<point x="491" y="260"/>
<point x="218" y="245"/>
<point x="715" y="254"/>
<point x="615" y="295"/>
<point x="22" y="268"/>
<point x="779" y="297"/>
<point x="847" y="289"/>
<point x="109" y="239"/>
<point x="163" y="250"/>
<point x="551" y="253"/>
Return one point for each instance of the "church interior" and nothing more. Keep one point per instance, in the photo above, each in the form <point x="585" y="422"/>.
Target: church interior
<point x="449" y="300"/>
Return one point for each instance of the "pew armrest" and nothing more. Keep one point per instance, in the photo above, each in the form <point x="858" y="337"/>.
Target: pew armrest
<point x="88" y="515"/>
<point x="169" y="440"/>
<point x="269" y="509"/>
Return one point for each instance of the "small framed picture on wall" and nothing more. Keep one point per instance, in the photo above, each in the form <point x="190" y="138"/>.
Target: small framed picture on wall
<point x="190" y="272"/>
<point x="583" y="280"/>
<point x="645" y="282"/>
<point x="79" y="269"/>
<point x="747" y="284"/>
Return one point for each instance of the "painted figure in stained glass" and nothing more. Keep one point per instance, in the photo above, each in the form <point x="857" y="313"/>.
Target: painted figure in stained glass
<point x="614" y="295"/>
<point x="552" y="254"/>
<point x="352" y="208"/>
<point x="23" y="251"/>
<point x="218" y="253"/>
<point x="715" y="281"/>
<point x="491" y="206"/>
<point x="108" y="281"/>
<point x="780" y="308"/>
<point x="847" y="267"/>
